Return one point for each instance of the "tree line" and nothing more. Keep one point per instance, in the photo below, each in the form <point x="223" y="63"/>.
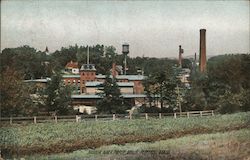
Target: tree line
<point x="224" y="87"/>
<point x="25" y="63"/>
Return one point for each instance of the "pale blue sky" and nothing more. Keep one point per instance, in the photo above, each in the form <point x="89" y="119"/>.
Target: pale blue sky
<point x="152" y="28"/>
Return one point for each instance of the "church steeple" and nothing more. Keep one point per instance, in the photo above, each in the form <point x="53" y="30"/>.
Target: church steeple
<point x="46" y="50"/>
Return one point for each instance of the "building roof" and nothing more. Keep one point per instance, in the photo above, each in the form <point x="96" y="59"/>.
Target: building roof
<point x="72" y="64"/>
<point x="131" y="77"/>
<point x="71" y="76"/>
<point x="134" y="95"/>
<point x="120" y="84"/>
<point x="95" y="96"/>
<point x="86" y="96"/>
<point x="88" y="67"/>
<point x="100" y="76"/>
<point x="44" y="80"/>
<point x="125" y="84"/>
<point x="128" y="77"/>
<point x="93" y="84"/>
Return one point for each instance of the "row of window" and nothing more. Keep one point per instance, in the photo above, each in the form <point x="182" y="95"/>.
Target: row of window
<point x="74" y="81"/>
<point x="88" y="74"/>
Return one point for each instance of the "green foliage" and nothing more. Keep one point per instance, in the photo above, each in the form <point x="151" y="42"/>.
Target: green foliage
<point x="196" y="98"/>
<point x="162" y="86"/>
<point x="36" y="64"/>
<point x="15" y="98"/>
<point x="231" y="102"/>
<point x="110" y="52"/>
<point x="57" y="96"/>
<point x="47" y="134"/>
<point x="232" y="70"/>
<point x="224" y="87"/>
<point x="111" y="101"/>
<point x="186" y="63"/>
<point x="145" y="109"/>
<point x="228" y="83"/>
<point x="26" y="60"/>
<point x="170" y="148"/>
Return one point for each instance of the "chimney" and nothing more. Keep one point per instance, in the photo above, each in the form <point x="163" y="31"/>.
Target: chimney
<point x="114" y="73"/>
<point x="202" y="60"/>
<point x="180" y="56"/>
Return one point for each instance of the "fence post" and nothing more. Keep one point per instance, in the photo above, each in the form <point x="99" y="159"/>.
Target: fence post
<point x="130" y="116"/>
<point x="159" y="115"/>
<point x="35" y="119"/>
<point x="56" y="119"/>
<point x="95" y="117"/>
<point x="212" y="112"/>
<point x="201" y="113"/>
<point x="76" y="118"/>
<point x="113" y="117"/>
<point x="146" y="116"/>
<point x="10" y="120"/>
<point x="188" y="114"/>
<point x="174" y="115"/>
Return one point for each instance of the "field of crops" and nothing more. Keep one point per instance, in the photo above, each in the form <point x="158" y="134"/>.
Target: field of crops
<point x="228" y="145"/>
<point x="65" y="137"/>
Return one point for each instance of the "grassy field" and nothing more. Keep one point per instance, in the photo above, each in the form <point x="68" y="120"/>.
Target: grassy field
<point x="66" y="137"/>
<point x="228" y="145"/>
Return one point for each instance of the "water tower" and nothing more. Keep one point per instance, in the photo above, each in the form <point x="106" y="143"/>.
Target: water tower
<point x="125" y="51"/>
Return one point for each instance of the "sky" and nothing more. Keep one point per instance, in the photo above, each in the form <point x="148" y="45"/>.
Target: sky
<point x="151" y="28"/>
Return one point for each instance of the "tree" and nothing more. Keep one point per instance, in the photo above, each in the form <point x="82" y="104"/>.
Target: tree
<point x="110" y="52"/>
<point x="57" y="96"/>
<point x="26" y="60"/>
<point x="225" y="86"/>
<point x="231" y="102"/>
<point x="230" y="74"/>
<point x="111" y="101"/>
<point x="196" y="98"/>
<point x="186" y="63"/>
<point x="15" y="97"/>
<point x="163" y="85"/>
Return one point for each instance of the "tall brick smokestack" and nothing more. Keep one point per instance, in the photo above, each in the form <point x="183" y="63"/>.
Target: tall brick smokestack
<point x="114" y="73"/>
<point x="202" y="60"/>
<point x="180" y="56"/>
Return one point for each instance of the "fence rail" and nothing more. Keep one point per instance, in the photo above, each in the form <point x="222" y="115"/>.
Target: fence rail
<point x="103" y="117"/>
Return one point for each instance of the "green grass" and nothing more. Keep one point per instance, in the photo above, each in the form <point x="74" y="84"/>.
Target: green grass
<point x="213" y="146"/>
<point x="95" y="134"/>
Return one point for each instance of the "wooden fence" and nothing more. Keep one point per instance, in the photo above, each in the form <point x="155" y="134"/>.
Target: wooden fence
<point x="103" y="117"/>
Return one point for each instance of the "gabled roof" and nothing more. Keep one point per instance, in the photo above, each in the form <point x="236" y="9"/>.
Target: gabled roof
<point x="72" y="64"/>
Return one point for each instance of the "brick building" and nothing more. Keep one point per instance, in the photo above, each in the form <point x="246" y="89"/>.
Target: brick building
<point x="87" y="83"/>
